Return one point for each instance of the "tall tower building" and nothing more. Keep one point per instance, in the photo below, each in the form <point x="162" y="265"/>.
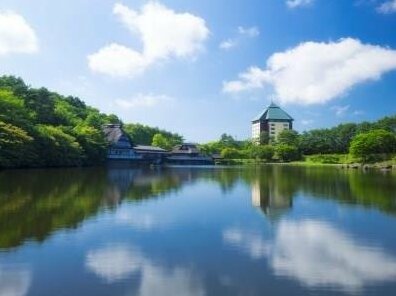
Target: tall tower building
<point x="272" y="120"/>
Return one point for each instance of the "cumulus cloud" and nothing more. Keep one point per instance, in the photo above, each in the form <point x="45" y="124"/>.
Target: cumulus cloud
<point x="16" y="35"/>
<point x="164" y="34"/>
<point x="317" y="254"/>
<point x="298" y="3"/>
<point x="387" y="7"/>
<point x="144" y="100"/>
<point x="242" y="32"/>
<point x="119" y="262"/>
<point x="117" y="60"/>
<point x="317" y="72"/>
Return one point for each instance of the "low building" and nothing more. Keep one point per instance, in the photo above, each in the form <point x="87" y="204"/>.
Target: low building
<point x="273" y="120"/>
<point x="188" y="154"/>
<point x="151" y="154"/>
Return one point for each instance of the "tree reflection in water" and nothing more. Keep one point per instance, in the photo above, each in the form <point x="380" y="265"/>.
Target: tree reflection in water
<point x="35" y="203"/>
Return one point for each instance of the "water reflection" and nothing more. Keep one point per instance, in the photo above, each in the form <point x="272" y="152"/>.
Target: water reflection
<point x="14" y="280"/>
<point x="33" y="204"/>
<point x="197" y="231"/>
<point x="116" y="262"/>
<point x="317" y="254"/>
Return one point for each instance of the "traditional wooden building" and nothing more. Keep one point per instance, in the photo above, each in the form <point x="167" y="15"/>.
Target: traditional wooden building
<point x="188" y="154"/>
<point x="121" y="147"/>
<point x="272" y="120"/>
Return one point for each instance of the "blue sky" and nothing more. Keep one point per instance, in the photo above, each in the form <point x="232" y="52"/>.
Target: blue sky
<point x="201" y="68"/>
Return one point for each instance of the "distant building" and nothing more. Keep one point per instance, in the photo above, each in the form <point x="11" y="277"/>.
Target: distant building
<point x="188" y="154"/>
<point x="272" y="120"/>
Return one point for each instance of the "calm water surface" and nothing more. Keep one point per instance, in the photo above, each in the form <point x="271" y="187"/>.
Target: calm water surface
<point x="197" y="231"/>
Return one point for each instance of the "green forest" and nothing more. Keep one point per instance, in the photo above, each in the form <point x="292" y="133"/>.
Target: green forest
<point x="40" y="128"/>
<point x="362" y="142"/>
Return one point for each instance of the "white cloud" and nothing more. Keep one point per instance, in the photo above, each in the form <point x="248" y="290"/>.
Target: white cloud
<point x="253" y="78"/>
<point x="317" y="254"/>
<point x="115" y="263"/>
<point x="228" y="44"/>
<point x="14" y="281"/>
<point x="298" y="3"/>
<point x="117" y="60"/>
<point x="144" y="100"/>
<point x="340" y="110"/>
<point x="164" y="34"/>
<point x="387" y="7"/>
<point x="242" y="32"/>
<point x="250" y="32"/>
<point x="317" y="72"/>
<point x="16" y="35"/>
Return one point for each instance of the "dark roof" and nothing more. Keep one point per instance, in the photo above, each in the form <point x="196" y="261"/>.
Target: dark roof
<point x="273" y="112"/>
<point x="116" y="136"/>
<point x="148" y="148"/>
<point x="186" y="148"/>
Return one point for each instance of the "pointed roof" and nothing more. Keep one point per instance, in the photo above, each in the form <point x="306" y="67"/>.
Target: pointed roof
<point x="273" y="112"/>
<point x="116" y="136"/>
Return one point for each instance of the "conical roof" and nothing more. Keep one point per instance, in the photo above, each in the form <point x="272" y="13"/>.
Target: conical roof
<point x="273" y="112"/>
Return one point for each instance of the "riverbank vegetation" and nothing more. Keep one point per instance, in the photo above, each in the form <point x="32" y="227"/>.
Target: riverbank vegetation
<point x="365" y="142"/>
<point x="41" y="128"/>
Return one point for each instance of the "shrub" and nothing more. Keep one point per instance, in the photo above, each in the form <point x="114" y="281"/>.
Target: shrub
<point x="265" y="152"/>
<point x="232" y="153"/>
<point x="287" y="152"/>
<point x="367" y="146"/>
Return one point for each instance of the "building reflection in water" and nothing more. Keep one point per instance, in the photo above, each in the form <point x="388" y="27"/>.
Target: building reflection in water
<point x="269" y="196"/>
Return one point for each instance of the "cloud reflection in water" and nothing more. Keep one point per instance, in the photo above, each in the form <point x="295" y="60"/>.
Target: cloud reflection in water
<point x="317" y="254"/>
<point x="118" y="262"/>
<point x="14" y="281"/>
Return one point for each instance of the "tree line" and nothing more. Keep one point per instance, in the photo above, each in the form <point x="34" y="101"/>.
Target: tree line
<point x="365" y="142"/>
<point x="40" y="128"/>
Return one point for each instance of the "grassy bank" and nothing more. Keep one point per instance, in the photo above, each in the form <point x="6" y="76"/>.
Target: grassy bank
<point x="321" y="160"/>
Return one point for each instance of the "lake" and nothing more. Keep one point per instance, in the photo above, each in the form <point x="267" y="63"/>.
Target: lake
<point x="270" y="230"/>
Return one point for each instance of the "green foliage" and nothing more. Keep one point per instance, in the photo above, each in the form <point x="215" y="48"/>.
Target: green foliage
<point x="338" y="139"/>
<point x="143" y="134"/>
<point x="61" y="148"/>
<point x="287" y="152"/>
<point x="366" y="146"/>
<point x="225" y="141"/>
<point x="328" y="158"/>
<point x="14" y="145"/>
<point x="289" y="137"/>
<point x="232" y="153"/>
<point x="42" y="128"/>
<point x="162" y="141"/>
<point x="264" y="138"/>
<point x="264" y="152"/>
